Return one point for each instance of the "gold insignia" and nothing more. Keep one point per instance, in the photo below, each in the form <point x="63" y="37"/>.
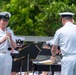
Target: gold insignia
<point x="19" y="40"/>
<point x="7" y="15"/>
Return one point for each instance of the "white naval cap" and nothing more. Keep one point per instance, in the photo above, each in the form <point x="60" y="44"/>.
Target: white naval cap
<point x="19" y="40"/>
<point x="64" y="14"/>
<point x="50" y="42"/>
<point x="5" y="15"/>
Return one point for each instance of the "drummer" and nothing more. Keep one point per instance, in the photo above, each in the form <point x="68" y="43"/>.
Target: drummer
<point x="50" y="42"/>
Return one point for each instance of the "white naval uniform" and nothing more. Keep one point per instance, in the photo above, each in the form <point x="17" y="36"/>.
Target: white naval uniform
<point x="5" y="58"/>
<point x="65" y="37"/>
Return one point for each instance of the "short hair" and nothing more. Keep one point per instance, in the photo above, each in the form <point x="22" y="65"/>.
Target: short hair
<point x="67" y="17"/>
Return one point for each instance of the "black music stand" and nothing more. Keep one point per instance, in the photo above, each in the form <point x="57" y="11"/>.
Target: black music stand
<point x="45" y="51"/>
<point x="27" y="53"/>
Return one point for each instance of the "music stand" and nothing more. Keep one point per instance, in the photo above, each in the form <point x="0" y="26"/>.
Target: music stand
<point x="45" y="49"/>
<point x="28" y="53"/>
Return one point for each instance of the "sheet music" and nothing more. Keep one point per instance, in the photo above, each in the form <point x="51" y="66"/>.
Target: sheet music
<point x="45" y="62"/>
<point x="15" y="51"/>
<point x="59" y="63"/>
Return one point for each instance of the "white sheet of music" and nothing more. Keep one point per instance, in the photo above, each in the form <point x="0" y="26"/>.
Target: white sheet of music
<point x="45" y="61"/>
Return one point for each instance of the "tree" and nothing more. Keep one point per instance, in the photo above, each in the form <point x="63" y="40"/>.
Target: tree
<point x="37" y="17"/>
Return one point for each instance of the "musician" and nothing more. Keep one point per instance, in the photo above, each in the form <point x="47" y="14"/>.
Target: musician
<point x="6" y="42"/>
<point x="49" y="44"/>
<point x="16" y="64"/>
<point x="66" y="38"/>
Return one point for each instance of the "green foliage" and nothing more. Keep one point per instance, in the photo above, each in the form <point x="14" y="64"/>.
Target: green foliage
<point x="37" y="17"/>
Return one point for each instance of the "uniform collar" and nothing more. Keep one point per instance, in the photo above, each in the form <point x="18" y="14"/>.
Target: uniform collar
<point x="2" y="31"/>
<point x="68" y="24"/>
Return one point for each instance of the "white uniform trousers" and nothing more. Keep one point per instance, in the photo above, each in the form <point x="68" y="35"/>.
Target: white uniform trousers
<point x="68" y="65"/>
<point x="5" y="64"/>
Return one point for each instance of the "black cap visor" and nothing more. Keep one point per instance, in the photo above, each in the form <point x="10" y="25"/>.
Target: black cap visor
<point x="66" y="16"/>
<point x="4" y="18"/>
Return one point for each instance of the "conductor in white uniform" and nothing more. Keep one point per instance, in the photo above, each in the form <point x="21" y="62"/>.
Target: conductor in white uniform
<point x="65" y="37"/>
<point x="6" y="40"/>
